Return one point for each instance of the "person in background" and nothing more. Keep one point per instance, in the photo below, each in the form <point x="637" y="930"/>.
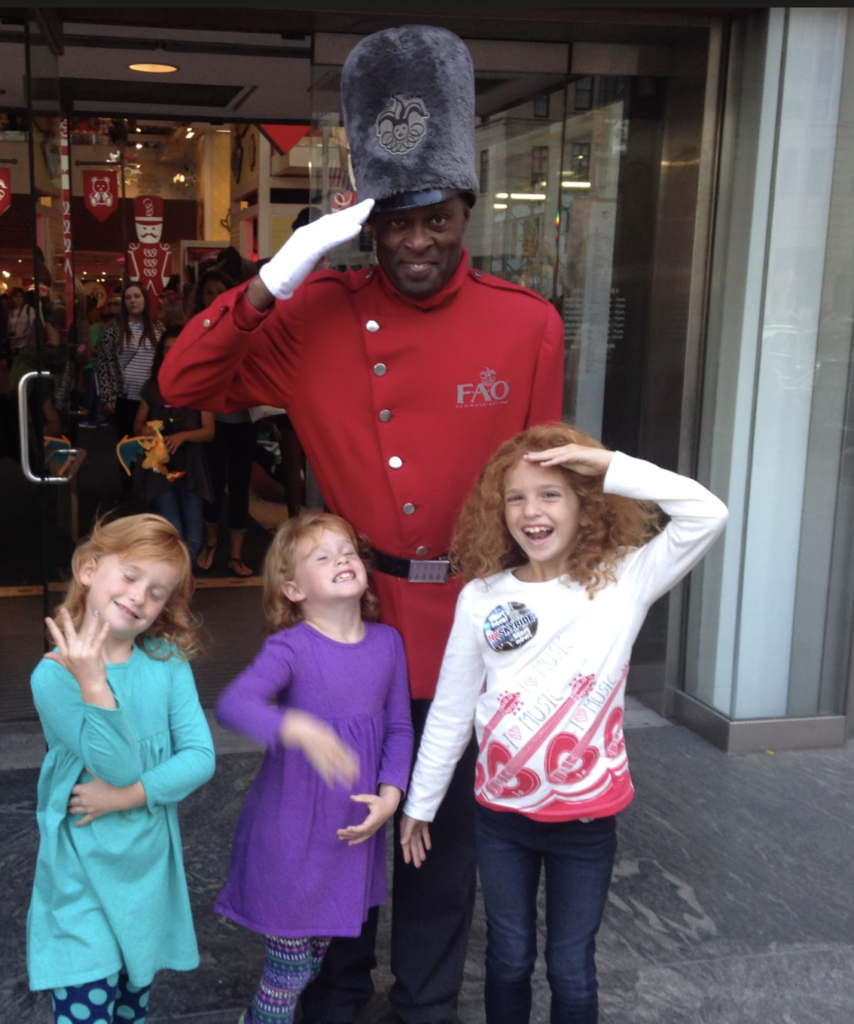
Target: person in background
<point x="20" y="320"/>
<point x="90" y="369"/>
<point x="125" y="357"/>
<point x="230" y="456"/>
<point x="185" y="430"/>
<point x="172" y="305"/>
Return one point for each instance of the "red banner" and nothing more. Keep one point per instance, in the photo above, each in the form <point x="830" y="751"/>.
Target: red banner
<point x="148" y="214"/>
<point x="5" y="189"/>
<point x="101" y="193"/>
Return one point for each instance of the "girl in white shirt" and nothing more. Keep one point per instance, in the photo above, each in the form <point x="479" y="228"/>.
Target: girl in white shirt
<point x="554" y="545"/>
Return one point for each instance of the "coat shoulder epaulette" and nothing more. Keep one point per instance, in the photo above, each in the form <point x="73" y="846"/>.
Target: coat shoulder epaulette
<point x="508" y="286"/>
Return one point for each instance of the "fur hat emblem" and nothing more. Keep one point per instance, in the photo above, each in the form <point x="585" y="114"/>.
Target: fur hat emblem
<point x="408" y="97"/>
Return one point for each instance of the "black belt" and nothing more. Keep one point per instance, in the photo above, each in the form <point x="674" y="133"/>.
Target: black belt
<point x="416" y="570"/>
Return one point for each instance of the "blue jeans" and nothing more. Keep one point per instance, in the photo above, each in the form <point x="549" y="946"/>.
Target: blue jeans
<point x="578" y="860"/>
<point x="183" y="508"/>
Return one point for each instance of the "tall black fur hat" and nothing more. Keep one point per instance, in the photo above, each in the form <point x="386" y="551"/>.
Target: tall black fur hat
<point x="408" y="96"/>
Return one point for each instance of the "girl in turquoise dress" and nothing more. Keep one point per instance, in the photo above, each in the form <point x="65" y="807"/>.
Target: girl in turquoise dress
<point x="127" y="739"/>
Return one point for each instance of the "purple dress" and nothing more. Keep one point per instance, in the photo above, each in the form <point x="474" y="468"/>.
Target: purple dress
<point x="289" y="874"/>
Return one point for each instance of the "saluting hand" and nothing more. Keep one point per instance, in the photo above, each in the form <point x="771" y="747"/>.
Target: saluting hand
<point x="577" y="457"/>
<point x="292" y="264"/>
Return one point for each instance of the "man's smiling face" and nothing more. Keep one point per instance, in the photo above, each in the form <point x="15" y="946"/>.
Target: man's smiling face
<point x="419" y="249"/>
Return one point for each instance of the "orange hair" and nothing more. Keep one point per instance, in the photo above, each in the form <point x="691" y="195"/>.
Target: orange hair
<point x="152" y="538"/>
<point x="482" y="545"/>
<point x="281" y="561"/>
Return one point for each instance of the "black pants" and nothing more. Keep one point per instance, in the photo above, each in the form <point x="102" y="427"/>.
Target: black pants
<point x="431" y="913"/>
<point x="126" y="410"/>
<point x="230" y="456"/>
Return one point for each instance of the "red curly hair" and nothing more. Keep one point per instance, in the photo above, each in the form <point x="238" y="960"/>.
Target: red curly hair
<point x="152" y="538"/>
<point x="611" y="524"/>
<point x="283" y="555"/>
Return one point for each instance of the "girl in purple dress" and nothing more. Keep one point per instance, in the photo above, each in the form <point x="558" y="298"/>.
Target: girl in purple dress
<point x="328" y="697"/>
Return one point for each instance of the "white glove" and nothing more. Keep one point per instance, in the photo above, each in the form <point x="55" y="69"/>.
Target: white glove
<point x="292" y="264"/>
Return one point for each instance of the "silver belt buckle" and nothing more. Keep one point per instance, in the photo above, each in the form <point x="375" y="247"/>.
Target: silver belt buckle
<point x="428" y="570"/>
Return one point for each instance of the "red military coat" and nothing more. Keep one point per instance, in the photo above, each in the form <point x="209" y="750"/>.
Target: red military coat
<point x="397" y="402"/>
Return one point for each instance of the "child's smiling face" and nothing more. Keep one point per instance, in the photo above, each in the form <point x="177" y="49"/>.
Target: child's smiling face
<point x="128" y="593"/>
<point x="328" y="569"/>
<point x="543" y="515"/>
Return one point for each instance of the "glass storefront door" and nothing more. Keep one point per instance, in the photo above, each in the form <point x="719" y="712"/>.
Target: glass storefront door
<point x="39" y="463"/>
<point x="595" y="190"/>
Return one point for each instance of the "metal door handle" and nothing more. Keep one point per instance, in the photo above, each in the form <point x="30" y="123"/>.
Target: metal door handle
<point x="23" y="427"/>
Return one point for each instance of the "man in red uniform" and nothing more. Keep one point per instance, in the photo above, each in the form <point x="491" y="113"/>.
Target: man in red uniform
<point x="400" y="381"/>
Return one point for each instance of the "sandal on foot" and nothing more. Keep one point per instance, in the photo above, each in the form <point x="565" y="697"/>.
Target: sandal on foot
<point x="205" y="558"/>
<point x="237" y="568"/>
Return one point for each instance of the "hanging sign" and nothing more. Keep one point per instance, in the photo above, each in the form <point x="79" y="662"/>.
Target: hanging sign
<point x="148" y="216"/>
<point x="5" y="189"/>
<point x="149" y="264"/>
<point x="101" y="193"/>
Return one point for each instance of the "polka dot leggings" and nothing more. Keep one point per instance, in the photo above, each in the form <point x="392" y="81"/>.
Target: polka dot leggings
<point x="113" y="1000"/>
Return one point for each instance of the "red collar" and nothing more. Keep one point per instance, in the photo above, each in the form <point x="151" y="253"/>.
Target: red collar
<point x="450" y="289"/>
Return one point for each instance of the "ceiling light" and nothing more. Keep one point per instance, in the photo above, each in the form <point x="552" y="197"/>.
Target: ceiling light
<point x="530" y="196"/>
<point x="153" y="69"/>
<point x="575" y="184"/>
<point x="502" y="195"/>
<point x="499" y="206"/>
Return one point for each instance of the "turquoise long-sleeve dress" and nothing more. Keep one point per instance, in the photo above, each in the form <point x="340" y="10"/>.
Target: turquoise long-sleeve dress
<point x="112" y="895"/>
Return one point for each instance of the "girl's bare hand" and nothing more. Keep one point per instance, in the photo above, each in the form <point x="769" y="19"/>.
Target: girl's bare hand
<point x="381" y="807"/>
<point x="173" y="442"/>
<point x="333" y="760"/>
<point x="577" y="457"/>
<point x="97" y="798"/>
<point x="83" y="653"/>
<point x="414" y="840"/>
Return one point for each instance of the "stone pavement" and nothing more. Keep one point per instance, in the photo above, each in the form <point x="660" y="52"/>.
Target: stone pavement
<point x="731" y="901"/>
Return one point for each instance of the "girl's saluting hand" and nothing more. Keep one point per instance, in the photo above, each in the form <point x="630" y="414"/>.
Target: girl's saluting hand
<point x="577" y="457"/>
<point x="83" y="655"/>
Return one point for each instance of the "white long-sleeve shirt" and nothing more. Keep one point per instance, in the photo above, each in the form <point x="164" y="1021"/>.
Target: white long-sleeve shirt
<point x="540" y="669"/>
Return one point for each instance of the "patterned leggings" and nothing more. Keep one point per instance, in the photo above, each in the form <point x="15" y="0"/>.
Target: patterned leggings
<point x="113" y="1000"/>
<point x="289" y="965"/>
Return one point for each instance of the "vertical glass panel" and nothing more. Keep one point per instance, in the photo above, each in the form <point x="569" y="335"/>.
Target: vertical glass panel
<point x="767" y="628"/>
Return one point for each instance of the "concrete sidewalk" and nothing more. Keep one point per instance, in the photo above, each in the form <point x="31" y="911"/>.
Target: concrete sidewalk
<point x="731" y="900"/>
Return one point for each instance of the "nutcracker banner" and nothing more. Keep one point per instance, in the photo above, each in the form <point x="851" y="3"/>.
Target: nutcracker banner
<point x="5" y="189"/>
<point x="148" y="215"/>
<point x="101" y="193"/>
<point x="150" y="264"/>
